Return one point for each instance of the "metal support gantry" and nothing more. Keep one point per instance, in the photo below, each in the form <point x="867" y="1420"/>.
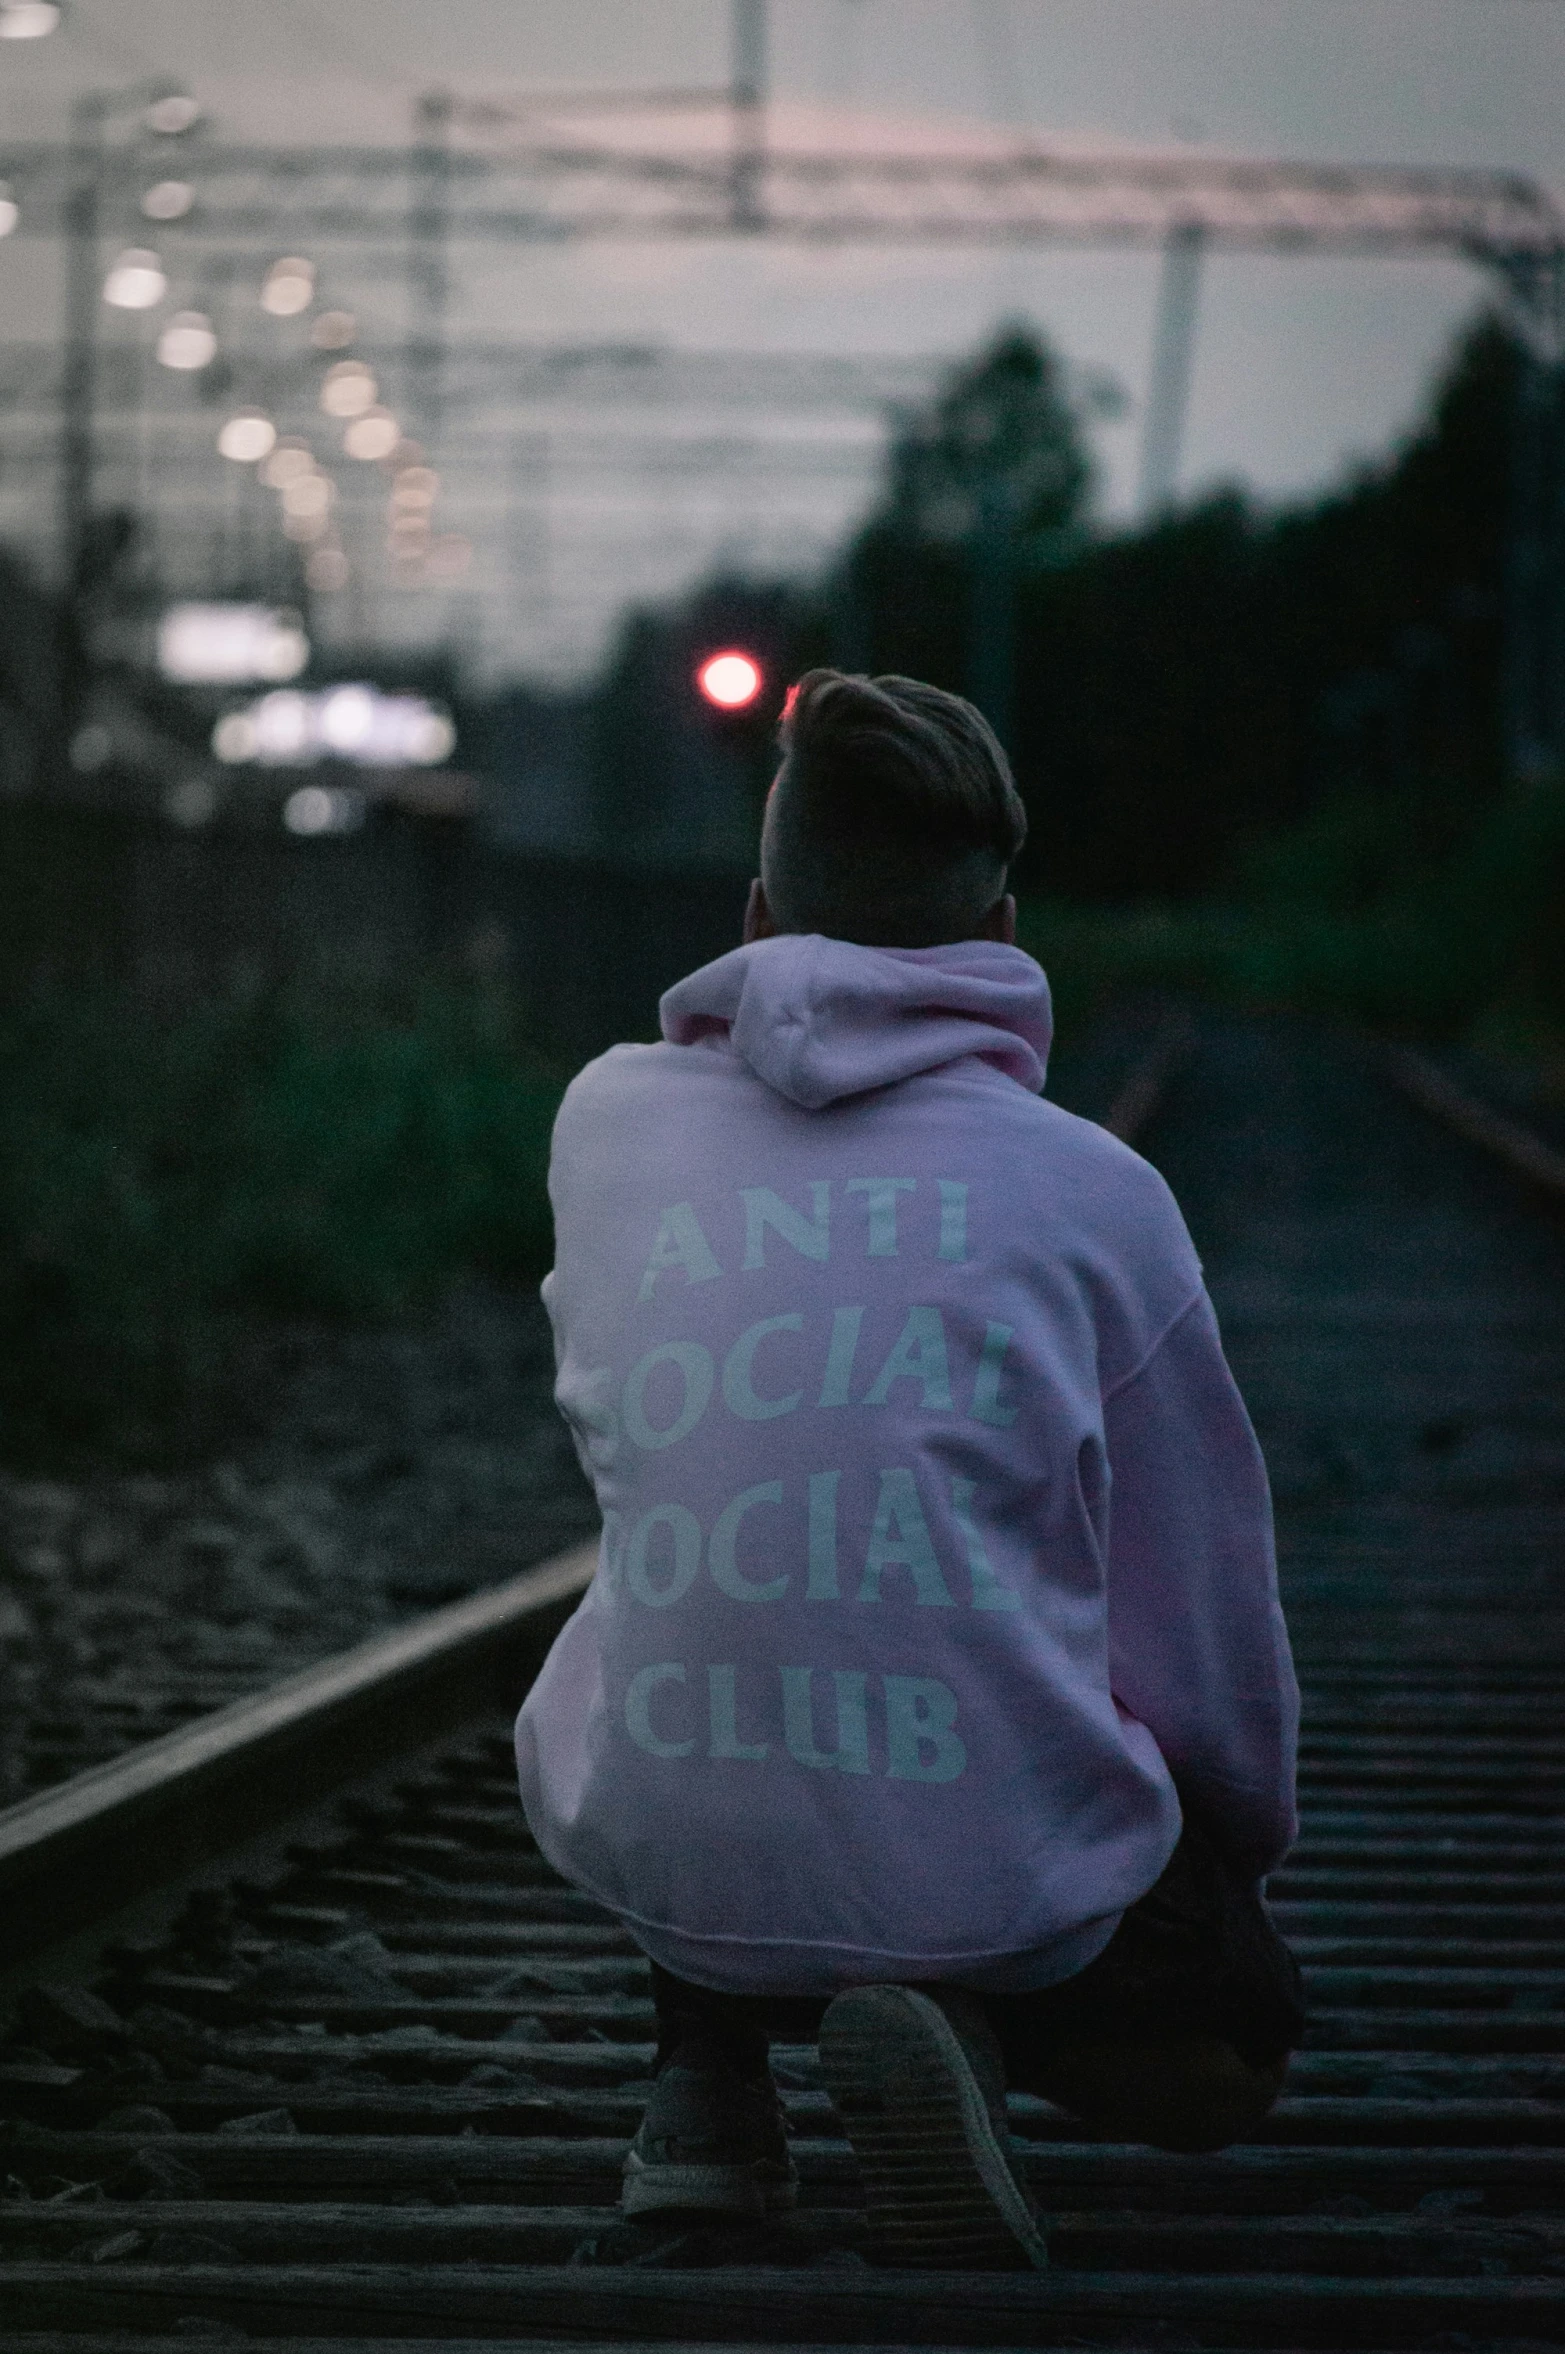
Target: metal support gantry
<point x="539" y="171"/>
<point x="1173" y="355"/>
<point x="428" y="226"/>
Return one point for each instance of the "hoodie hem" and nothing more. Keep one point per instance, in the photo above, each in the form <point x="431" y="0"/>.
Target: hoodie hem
<point x="787" y="1967"/>
<point x="733" y="1964"/>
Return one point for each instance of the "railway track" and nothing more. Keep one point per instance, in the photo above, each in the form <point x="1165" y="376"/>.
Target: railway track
<point x="386" y="1474"/>
<point x="370" y="2079"/>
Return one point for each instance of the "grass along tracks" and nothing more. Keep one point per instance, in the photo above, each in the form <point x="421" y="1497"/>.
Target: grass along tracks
<point x="372" y="2082"/>
<point x="380" y="1472"/>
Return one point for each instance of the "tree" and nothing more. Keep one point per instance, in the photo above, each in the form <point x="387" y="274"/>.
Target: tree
<point x="1002" y="432"/>
<point x="982" y="487"/>
<point x="1188" y="692"/>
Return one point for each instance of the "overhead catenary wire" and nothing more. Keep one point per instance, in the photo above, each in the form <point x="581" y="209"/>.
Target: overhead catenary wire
<point x="509" y="178"/>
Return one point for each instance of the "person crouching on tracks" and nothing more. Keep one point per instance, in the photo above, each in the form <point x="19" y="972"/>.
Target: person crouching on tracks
<point x="932" y="1694"/>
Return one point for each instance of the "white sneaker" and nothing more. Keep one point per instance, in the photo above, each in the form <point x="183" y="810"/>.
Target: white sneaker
<point x="712" y="2142"/>
<point x="919" y="2085"/>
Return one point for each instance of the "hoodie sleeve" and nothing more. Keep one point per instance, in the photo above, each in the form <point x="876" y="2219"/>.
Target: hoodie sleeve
<point x="1197" y="1646"/>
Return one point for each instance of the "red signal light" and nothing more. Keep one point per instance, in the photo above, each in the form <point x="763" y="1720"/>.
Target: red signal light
<point x="731" y="680"/>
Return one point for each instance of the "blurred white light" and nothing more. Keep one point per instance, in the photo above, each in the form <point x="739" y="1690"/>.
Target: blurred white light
<point x="430" y="738"/>
<point x="347" y="718"/>
<point x="215" y="644"/>
<point x="192" y="802"/>
<point x="374" y="435"/>
<point x="288" y="461"/>
<point x="168" y="200"/>
<point x="328" y="569"/>
<point x="247" y="435"/>
<point x="136" y="280"/>
<point x="308" y="494"/>
<point x="333" y="329"/>
<point x="415" y="486"/>
<point x="187" y="341"/>
<point x="305" y="528"/>
<point x="450" y="556"/>
<point x="171" y="115"/>
<point x="322" y="809"/>
<point x="353" y="722"/>
<point x="288" y="650"/>
<point x="348" y="389"/>
<point x="234" y="737"/>
<point x="284" y="728"/>
<point x="289" y="287"/>
<point x="28" y="20"/>
<point x="10" y="210"/>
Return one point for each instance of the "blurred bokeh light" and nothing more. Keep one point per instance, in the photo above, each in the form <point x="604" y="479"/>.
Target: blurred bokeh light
<point x="730" y="679"/>
<point x="136" y="281"/>
<point x="289" y="287"/>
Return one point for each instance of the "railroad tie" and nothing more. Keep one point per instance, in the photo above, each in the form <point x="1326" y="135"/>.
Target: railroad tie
<point x="383" y="2094"/>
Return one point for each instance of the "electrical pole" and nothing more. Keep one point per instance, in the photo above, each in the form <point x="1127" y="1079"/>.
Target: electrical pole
<point x="1173" y="347"/>
<point x="427" y="275"/>
<point x="81" y="318"/>
<point x="747" y="103"/>
<point x="78" y="384"/>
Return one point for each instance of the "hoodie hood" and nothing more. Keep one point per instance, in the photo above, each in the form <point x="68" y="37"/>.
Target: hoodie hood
<point x="821" y="1019"/>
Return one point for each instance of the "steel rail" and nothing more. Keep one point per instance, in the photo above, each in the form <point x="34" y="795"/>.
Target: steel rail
<point x="81" y="1849"/>
<point x="1511" y="1141"/>
<point x="114" y="1835"/>
<point x="1145" y="1090"/>
<point x="382" y="2094"/>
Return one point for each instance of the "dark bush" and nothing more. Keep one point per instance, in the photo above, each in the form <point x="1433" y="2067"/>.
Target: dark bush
<point x="164" y="1184"/>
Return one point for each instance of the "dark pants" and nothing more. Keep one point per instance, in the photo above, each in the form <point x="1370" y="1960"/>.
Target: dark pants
<point x="1179" y="2029"/>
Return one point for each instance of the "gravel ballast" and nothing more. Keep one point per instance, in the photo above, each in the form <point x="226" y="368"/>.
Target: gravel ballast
<point x="395" y="1471"/>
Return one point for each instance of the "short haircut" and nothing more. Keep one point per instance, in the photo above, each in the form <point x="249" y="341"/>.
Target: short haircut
<point x="894" y="817"/>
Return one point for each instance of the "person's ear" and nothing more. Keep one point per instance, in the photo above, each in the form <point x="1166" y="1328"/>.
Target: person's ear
<point x="758" y="923"/>
<point x="1000" y="922"/>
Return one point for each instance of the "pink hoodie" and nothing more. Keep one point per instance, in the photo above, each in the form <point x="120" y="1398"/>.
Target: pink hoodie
<point x="937" y="1543"/>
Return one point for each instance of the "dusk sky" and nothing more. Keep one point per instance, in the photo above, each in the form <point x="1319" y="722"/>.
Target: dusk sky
<point x="1302" y="364"/>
